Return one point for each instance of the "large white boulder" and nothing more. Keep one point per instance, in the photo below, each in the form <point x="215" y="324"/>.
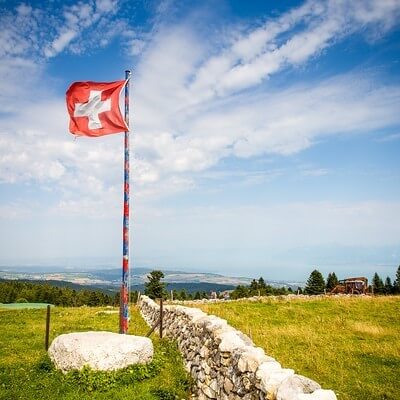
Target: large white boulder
<point x="104" y="351"/>
<point x="292" y="387"/>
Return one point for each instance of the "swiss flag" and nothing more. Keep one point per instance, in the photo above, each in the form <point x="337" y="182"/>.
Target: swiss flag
<point x="93" y="108"/>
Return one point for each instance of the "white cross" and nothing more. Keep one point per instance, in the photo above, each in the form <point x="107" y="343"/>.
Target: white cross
<point x="93" y="108"/>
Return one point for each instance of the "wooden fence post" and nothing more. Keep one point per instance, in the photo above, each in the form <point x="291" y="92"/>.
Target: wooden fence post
<point x="46" y="340"/>
<point x="159" y="322"/>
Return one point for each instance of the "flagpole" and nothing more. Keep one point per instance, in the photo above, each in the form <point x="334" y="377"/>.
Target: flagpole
<point x="124" y="294"/>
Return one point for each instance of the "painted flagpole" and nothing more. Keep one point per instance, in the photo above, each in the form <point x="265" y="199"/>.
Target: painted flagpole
<point x="124" y="294"/>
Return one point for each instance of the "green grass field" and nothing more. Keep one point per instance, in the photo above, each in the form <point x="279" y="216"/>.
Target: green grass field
<point x="26" y="373"/>
<point x="350" y="345"/>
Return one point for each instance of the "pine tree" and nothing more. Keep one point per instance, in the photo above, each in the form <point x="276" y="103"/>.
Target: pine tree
<point x="240" y="292"/>
<point x="154" y="288"/>
<point x="254" y="285"/>
<point x="388" y="286"/>
<point x="315" y="283"/>
<point x="261" y="283"/>
<point x="377" y="284"/>
<point x="396" y="283"/>
<point x="331" y="281"/>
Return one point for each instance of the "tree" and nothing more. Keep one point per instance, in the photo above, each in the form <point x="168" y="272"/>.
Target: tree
<point x="154" y="288"/>
<point x="204" y="295"/>
<point x="315" y="283"/>
<point x="388" y="286"/>
<point x="240" y="292"/>
<point x="11" y="295"/>
<point x="396" y="283"/>
<point x="331" y="281"/>
<point x="377" y="284"/>
<point x="261" y="283"/>
<point x="254" y="285"/>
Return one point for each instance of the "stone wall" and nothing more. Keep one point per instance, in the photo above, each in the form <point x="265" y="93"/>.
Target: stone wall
<point x="224" y="363"/>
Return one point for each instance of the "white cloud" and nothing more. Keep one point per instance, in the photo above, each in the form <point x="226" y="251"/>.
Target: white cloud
<point x="136" y="46"/>
<point x="292" y="39"/>
<point x="94" y="21"/>
<point x="105" y="6"/>
<point x="60" y="43"/>
<point x="283" y="122"/>
<point x="189" y="119"/>
<point x="44" y="32"/>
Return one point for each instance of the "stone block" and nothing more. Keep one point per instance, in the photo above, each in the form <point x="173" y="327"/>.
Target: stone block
<point x="102" y="351"/>
<point x="291" y="387"/>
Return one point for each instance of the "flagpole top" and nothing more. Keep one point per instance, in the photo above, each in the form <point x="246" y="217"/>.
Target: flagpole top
<point x="127" y="73"/>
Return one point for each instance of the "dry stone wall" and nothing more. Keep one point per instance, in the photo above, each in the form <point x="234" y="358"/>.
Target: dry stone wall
<point x="224" y="363"/>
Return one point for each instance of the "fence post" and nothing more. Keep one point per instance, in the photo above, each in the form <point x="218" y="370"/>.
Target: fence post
<point x="161" y="317"/>
<point x="46" y="340"/>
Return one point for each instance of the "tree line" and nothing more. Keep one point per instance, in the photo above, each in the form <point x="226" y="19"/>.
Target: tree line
<point x="155" y="289"/>
<point x="317" y="285"/>
<point x="258" y="288"/>
<point x="26" y="292"/>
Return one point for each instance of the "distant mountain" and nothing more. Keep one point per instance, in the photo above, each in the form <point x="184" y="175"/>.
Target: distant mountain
<point x="110" y="278"/>
<point x="139" y="276"/>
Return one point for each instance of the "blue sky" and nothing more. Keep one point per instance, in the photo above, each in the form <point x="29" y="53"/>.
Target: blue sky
<point x="266" y="135"/>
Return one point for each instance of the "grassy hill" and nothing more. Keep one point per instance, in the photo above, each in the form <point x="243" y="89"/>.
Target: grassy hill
<point x="26" y="372"/>
<point x="350" y="345"/>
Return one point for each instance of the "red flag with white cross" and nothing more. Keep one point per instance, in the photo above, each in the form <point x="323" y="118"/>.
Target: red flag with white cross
<point x="93" y="108"/>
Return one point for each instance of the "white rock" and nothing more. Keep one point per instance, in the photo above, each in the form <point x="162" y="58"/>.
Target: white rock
<point x="266" y="368"/>
<point x="271" y="377"/>
<point x="214" y="323"/>
<point x="291" y="387"/>
<point x="230" y="341"/>
<point x="103" y="351"/>
<point x="252" y="358"/>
